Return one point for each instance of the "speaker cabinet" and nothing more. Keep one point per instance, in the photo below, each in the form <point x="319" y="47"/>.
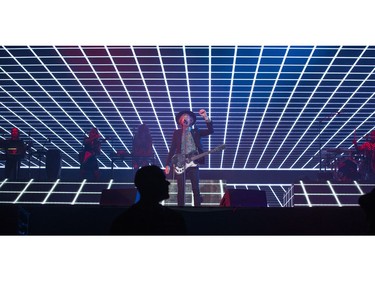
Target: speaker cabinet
<point x="244" y="198"/>
<point x="53" y="164"/>
<point x="119" y="197"/>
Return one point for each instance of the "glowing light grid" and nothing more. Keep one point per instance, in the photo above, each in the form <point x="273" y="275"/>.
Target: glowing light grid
<point x="265" y="101"/>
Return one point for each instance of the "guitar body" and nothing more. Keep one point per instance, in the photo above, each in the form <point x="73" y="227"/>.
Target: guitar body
<point x="92" y="148"/>
<point x="181" y="162"/>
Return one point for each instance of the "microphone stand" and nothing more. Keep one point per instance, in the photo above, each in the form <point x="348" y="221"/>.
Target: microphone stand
<point x="320" y="145"/>
<point x="40" y="155"/>
<point x="319" y="138"/>
<point x="29" y="154"/>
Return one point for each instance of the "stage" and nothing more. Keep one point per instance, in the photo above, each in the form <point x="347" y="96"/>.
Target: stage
<point x="96" y="220"/>
<point x="63" y="207"/>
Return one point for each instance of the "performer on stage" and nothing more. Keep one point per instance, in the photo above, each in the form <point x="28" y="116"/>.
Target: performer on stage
<point x="15" y="150"/>
<point x="368" y="150"/>
<point x="142" y="147"/>
<point x="187" y="141"/>
<point x="88" y="157"/>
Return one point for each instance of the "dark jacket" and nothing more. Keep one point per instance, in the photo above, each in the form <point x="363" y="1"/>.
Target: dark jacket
<point x="197" y="135"/>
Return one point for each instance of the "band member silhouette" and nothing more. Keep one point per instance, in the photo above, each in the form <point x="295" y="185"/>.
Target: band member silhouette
<point x="88" y="157"/>
<point x="142" y="147"/>
<point x="15" y="150"/>
<point x="187" y="141"/>
<point x="368" y="150"/>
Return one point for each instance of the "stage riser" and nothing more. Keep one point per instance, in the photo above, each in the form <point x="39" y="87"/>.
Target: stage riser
<point x="325" y="194"/>
<point x="212" y="191"/>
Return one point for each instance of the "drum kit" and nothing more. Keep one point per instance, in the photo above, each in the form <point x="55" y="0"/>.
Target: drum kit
<point x="346" y="165"/>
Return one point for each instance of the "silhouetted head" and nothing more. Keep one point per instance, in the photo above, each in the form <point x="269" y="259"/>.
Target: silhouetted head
<point x="143" y="129"/>
<point x="151" y="184"/>
<point x="94" y="133"/>
<point x="15" y="134"/>
<point x="372" y="136"/>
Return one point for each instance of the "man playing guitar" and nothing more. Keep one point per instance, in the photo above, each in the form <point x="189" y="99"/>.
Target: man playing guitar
<point x="187" y="141"/>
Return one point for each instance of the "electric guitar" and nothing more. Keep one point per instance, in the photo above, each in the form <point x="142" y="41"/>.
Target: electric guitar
<point x="181" y="162"/>
<point x="95" y="148"/>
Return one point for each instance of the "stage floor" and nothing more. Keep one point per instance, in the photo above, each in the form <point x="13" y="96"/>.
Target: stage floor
<point x="300" y="194"/>
<point x="74" y="208"/>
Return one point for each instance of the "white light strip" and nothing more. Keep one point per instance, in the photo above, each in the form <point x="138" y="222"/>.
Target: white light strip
<point x="209" y="99"/>
<point x="282" y="187"/>
<point x="41" y="106"/>
<point x="359" y="188"/>
<point x="151" y="102"/>
<point x="13" y="125"/>
<point x="229" y="104"/>
<point x="247" y="110"/>
<point x="126" y="91"/>
<point x="110" y="184"/>
<point x="167" y="88"/>
<point x="342" y="81"/>
<point x="78" y="192"/>
<point x="44" y="90"/>
<point x="40" y="122"/>
<point x="89" y="96"/>
<point x="285" y="108"/>
<point x="23" y="191"/>
<point x="50" y="192"/>
<point x="305" y="193"/>
<point x="339" y="110"/>
<point x="275" y="196"/>
<point x="370" y="99"/>
<point x="221" y="188"/>
<point x="65" y="91"/>
<point x="305" y="106"/>
<point x="111" y="100"/>
<point x="187" y="78"/>
<point x="266" y="109"/>
<point x="349" y="135"/>
<point x="4" y="181"/>
<point x="334" y="194"/>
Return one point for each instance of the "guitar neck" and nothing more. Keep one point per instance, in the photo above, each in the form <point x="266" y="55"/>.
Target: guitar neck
<point x="206" y="153"/>
<point x="196" y="157"/>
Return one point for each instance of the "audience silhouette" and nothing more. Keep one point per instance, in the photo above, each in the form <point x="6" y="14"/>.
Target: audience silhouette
<point x="367" y="202"/>
<point x="148" y="216"/>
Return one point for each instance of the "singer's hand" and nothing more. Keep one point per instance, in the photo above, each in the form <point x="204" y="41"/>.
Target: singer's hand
<point x="167" y="170"/>
<point x="203" y="113"/>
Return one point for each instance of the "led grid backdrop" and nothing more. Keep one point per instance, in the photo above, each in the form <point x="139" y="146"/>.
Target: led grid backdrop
<point x="266" y="102"/>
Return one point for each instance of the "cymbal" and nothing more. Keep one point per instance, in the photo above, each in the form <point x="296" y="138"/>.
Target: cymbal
<point x="339" y="150"/>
